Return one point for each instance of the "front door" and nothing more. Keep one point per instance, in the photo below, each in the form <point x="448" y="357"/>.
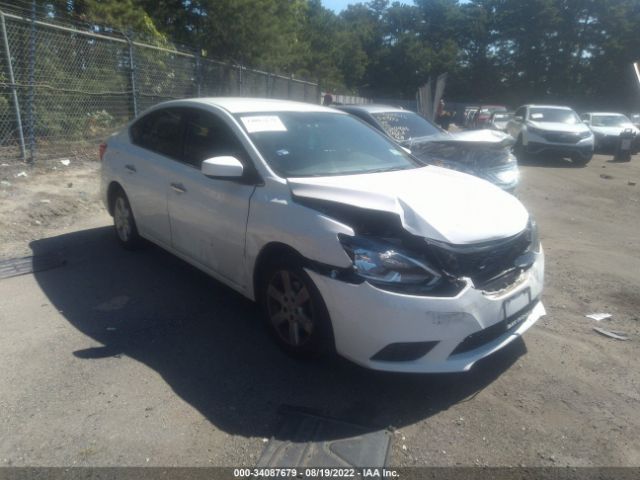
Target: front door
<point x="156" y="145"/>
<point x="208" y="216"/>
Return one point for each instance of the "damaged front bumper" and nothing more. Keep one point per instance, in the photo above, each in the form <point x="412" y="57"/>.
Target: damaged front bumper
<point x="391" y="331"/>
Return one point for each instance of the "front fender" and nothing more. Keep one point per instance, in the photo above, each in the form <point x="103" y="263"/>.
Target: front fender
<point x="275" y="217"/>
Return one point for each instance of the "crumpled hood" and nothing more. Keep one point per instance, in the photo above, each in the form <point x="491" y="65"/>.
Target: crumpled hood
<point x="469" y="138"/>
<point x="472" y="151"/>
<point x="432" y="202"/>
<point x="487" y="137"/>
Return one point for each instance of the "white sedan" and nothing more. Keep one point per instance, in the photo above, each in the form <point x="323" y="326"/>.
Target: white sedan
<point x="349" y="244"/>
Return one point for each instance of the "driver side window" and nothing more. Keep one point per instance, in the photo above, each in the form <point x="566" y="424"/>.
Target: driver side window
<point x="207" y="136"/>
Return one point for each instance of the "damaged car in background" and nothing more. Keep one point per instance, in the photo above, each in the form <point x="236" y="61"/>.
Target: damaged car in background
<point x="348" y="243"/>
<point x="483" y="153"/>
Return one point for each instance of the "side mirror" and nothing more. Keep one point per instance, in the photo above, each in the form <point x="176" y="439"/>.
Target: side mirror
<point x="222" y="167"/>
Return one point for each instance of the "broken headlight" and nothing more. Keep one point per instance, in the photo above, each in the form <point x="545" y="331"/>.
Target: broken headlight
<point x="384" y="264"/>
<point x="534" y="240"/>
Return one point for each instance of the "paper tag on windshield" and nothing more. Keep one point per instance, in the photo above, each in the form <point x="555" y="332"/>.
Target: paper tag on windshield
<point x="263" y="123"/>
<point x="536" y="116"/>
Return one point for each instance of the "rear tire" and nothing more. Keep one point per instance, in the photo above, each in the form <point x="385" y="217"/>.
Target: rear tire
<point x="124" y="222"/>
<point x="295" y="312"/>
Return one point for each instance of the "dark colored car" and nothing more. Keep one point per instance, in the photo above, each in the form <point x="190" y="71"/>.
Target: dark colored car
<point x="483" y="117"/>
<point x="483" y="153"/>
<point x="499" y="120"/>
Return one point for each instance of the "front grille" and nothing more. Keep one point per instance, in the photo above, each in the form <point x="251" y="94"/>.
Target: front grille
<point x="483" y="263"/>
<point x="482" y="337"/>
<point x="559" y="137"/>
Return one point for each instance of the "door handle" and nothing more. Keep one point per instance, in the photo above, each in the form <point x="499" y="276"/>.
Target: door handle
<point x="131" y="168"/>
<point x="178" y="188"/>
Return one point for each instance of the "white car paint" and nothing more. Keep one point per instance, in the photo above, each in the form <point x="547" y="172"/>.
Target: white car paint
<point x="533" y="133"/>
<point x="615" y="131"/>
<point x="222" y="226"/>
<point x="608" y="134"/>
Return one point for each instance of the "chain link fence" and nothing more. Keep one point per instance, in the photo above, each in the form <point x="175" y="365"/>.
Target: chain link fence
<point x="63" y="89"/>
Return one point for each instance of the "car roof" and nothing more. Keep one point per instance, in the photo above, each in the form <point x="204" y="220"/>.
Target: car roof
<point x="250" y="105"/>
<point x="605" y="113"/>
<point x="372" y="108"/>
<point x="559" y="107"/>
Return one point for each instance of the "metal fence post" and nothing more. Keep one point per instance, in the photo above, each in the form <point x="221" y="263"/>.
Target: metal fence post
<point x="198" y="73"/>
<point x="32" y="81"/>
<point x="14" y="91"/>
<point x="132" y="77"/>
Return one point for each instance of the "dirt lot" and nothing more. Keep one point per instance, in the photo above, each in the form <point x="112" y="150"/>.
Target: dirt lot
<point x="120" y="358"/>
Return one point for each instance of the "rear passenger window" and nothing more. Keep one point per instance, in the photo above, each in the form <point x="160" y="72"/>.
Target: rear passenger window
<point x="160" y="131"/>
<point x="208" y="136"/>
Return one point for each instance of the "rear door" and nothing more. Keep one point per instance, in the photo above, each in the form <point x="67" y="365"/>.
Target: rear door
<point x="208" y="216"/>
<point x="156" y="144"/>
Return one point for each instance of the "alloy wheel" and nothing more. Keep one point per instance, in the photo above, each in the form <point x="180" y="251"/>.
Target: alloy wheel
<point x="289" y="308"/>
<point x="122" y="219"/>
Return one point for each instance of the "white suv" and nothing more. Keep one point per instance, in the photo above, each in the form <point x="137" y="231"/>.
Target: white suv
<point x="348" y="243"/>
<point x="551" y="130"/>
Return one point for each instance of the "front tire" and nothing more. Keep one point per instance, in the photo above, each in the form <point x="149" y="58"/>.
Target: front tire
<point x="295" y="312"/>
<point x="518" y="149"/>
<point x="124" y="222"/>
<point x="580" y="161"/>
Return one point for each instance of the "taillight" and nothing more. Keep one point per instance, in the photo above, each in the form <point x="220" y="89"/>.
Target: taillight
<point x="102" y="150"/>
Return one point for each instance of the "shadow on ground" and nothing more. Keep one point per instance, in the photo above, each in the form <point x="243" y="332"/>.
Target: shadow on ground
<point x="209" y="345"/>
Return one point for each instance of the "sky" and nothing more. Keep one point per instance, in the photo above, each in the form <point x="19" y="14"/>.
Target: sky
<point x="338" y="5"/>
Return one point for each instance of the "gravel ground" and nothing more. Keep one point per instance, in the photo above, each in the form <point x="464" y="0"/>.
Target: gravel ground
<point x="121" y="358"/>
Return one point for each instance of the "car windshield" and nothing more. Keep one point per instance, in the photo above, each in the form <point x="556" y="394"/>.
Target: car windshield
<point x="556" y="115"/>
<point x="403" y="126"/>
<point x="311" y="144"/>
<point x="609" y="120"/>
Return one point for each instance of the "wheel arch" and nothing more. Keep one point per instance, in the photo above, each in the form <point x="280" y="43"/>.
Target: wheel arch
<point x="274" y="252"/>
<point x="112" y="189"/>
<point x="267" y="256"/>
